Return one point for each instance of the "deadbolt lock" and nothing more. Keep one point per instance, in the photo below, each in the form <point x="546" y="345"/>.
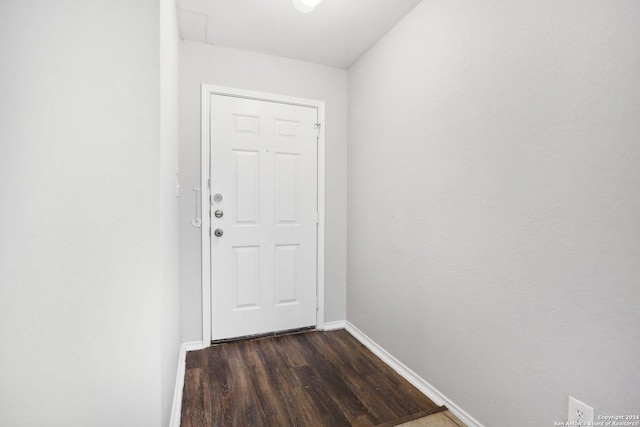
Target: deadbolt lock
<point x="218" y="213"/>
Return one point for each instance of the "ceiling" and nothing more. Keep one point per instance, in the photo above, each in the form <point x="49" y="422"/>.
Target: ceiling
<point x="336" y="33"/>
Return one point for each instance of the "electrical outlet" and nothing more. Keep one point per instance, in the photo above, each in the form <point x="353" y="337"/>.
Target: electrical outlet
<point x="580" y="414"/>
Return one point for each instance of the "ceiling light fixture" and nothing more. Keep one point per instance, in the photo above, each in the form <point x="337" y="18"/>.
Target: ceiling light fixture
<point x="306" y="6"/>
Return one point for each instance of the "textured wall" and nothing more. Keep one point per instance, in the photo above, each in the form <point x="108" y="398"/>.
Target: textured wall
<point x="494" y="203"/>
<point x="200" y="63"/>
<point x="80" y="265"/>
<point x="169" y="204"/>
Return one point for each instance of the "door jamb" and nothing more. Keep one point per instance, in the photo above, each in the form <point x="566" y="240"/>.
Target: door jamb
<point x="207" y="91"/>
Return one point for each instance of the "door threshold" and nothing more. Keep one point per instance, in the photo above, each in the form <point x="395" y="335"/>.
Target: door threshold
<point x="265" y="335"/>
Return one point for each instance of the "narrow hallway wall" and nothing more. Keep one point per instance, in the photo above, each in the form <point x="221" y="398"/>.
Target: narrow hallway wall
<point x="494" y="198"/>
<point x="80" y="173"/>
<point x="169" y="205"/>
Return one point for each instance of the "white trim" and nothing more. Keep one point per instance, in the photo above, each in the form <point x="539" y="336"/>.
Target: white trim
<point x="333" y="326"/>
<point x="427" y="389"/>
<point x="207" y="91"/>
<point x="176" y="409"/>
<point x="321" y="220"/>
<point x="205" y="215"/>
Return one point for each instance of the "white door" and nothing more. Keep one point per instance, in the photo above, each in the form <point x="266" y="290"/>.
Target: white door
<point x="264" y="202"/>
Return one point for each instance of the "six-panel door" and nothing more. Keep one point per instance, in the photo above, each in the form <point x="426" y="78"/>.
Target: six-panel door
<point x="264" y="169"/>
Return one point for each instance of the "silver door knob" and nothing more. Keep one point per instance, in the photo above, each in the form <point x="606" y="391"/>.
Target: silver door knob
<point x="218" y="232"/>
<point x="218" y="213"/>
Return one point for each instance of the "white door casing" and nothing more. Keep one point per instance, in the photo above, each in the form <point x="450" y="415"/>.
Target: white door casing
<point x="265" y="159"/>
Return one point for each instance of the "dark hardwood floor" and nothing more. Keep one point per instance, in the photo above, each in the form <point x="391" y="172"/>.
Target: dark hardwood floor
<point x="309" y="379"/>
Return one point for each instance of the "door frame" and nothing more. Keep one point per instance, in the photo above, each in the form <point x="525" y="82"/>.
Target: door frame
<point x="207" y="91"/>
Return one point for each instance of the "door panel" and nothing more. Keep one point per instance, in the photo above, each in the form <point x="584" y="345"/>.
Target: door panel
<point x="246" y="276"/>
<point x="263" y="267"/>
<point x="286" y="183"/>
<point x="247" y="187"/>
<point x="286" y="269"/>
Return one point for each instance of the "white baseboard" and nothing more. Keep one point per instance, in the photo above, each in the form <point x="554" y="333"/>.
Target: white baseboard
<point x="417" y="381"/>
<point x="332" y="326"/>
<point x="176" y="409"/>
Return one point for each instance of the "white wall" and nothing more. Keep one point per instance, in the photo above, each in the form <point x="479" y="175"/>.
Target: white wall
<point x="80" y="229"/>
<point x="169" y="205"/>
<point x="200" y="63"/>
<point x="494" y="203"/>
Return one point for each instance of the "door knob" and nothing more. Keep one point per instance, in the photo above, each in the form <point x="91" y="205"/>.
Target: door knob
<point x="218" y="213"/>
<point x="218" y="232"/>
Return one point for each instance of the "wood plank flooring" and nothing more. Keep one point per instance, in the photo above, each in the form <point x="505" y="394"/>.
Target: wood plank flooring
<point x="309" y="379"/>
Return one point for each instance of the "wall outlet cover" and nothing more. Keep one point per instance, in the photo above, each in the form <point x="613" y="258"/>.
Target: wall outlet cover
<point x="580" y="414"/>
